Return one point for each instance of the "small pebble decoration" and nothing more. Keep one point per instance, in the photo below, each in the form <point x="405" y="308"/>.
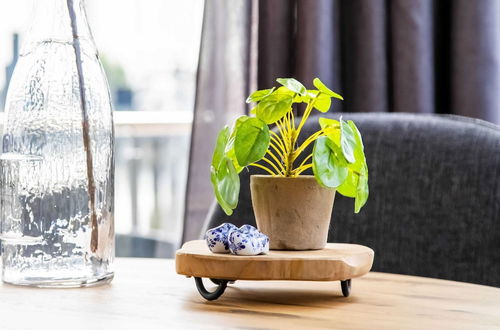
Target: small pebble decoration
<point x="246" y="240"/>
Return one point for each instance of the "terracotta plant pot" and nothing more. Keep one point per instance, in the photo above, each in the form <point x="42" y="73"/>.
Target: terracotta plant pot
<point x="294" y="212"/>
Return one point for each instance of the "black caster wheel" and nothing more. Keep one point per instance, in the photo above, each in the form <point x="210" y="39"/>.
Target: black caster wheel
<point x="346" y="287"/>
<point x="221" y="287"/>
<point x="217" y="281"/>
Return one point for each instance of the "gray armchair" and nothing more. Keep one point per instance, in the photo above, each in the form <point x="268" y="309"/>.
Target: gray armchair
<point x="434" y="206"/>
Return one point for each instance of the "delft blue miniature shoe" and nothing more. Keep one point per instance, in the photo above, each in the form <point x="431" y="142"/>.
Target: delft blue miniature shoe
<point x="217" y="238"/>
<point x="248" y="241"/>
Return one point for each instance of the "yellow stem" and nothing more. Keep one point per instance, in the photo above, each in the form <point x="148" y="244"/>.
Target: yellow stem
<point x="277" y="150"/>
<point x="314" y="136"/>
<point x="289" y="130"/>
<point x="272" y="164"/>
<point x="282" y="133"/>
<point x="307" y="142"/>
<point x="264" y="168"/>
<point x="276" y="160"/>
<point x="292" y="129"/>
<point x="304" y="161"/>
<point x="302" y="169"/>
<point x="289" y="144"/>
<point x="288" y="121"/>
<point x="278" y="143"/>
<point x="306" y="114"/>
<point x="284" y="119"/>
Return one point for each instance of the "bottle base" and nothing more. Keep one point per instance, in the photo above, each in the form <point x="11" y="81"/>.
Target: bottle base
<point x="63" y="283"/>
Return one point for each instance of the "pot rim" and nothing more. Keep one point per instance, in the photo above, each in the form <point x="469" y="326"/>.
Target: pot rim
<point x="268" y="176"/>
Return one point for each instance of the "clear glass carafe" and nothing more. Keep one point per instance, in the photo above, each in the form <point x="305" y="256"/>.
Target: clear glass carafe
<point x="57" y="166"/>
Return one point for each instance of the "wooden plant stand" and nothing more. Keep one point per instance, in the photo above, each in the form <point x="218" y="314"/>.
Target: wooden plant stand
<point x="336" y="262"/>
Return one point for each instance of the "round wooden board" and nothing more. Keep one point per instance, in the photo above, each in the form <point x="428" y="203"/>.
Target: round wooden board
<point x="335" y="262"/>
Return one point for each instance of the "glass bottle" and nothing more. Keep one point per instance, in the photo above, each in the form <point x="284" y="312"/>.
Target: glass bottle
<point x="57" y="166"/>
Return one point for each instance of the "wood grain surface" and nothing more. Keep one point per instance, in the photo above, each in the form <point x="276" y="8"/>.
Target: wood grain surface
<point x="334" y="262"/>
<point x="148" y="294"/>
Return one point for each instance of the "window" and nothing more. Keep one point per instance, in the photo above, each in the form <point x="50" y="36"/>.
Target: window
<point x="149" y="50"/>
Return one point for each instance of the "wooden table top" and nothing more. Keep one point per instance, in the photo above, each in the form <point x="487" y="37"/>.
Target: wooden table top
<point x="148" y="294"/>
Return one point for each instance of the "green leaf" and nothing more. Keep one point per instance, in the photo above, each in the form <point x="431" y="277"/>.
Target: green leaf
<point x="359" y="153"/>
<point x="293" y="85"/>
<point x="223" y="175"/>
<point x="274" y="107"/>
<point x="350" y="185"/>
<point x="346" y="137"/>
<point x="327" y="122"/>
<point x="284" y="90"/>
<point x="231" y="154"/>
<point x="322" y="102"/>
<point x="220" y="147"/>
<point x="347" y="141"/>
<point x="356" y="183"/>
<point x="322" y="87"/>
<point x="226" y="184"/>
<point x="237" y="124"/>
<point x="357" y="135"/>
<point x="251" y="141"/>
<point x="259" y="95"/>
<point x="329" y="167"/>
<point x="229" y="150"/>
<point x="334" y="129"/>
<point x="362" y="191"/>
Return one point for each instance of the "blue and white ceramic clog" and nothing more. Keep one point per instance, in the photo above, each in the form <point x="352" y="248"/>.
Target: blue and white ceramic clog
<point x="248" y="241"/>
<point x="217" y="238"/>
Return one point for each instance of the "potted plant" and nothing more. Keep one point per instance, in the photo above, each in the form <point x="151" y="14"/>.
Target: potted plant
<point x="294" y="210"/>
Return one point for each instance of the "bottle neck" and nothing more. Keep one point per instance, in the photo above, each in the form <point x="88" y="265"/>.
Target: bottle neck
<point x="55" y="21"/>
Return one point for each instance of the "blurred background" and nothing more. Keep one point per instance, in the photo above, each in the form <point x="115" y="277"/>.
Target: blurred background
<point x="178" y="70"/>
<point x="149" y="50"/>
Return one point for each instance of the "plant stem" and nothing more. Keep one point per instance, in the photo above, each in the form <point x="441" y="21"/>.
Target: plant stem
<point x="307" y="142"/>
<point x="264" y="168"/>
<point x="307" y="112"/>
<point x="287" y="140"/>
<point x="94" y="237"/>
<point x="283" y="135"/>
<point x="289" y="156"/>
<point x="269" y="152"/>
<point x="280" y="152"/>
<point x="302" y="169"/>
<point x="272" y="164"/>
<point x="303" y="162"/>
<point x="276" y="139"/>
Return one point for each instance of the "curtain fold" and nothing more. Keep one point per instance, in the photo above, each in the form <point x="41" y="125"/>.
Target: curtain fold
<point x="364" y="64"/>
<point x="422" y="56"/>
<point x="475" y="71"/>
<point x="317" y="51"/>
<point x="275" y="40"/>
<point x="412" y="56"/>
<point x="222" y="87"/>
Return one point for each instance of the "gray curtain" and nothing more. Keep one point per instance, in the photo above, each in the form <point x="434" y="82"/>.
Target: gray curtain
<point x="421" y="56"/>
<point x="222" y="87"/>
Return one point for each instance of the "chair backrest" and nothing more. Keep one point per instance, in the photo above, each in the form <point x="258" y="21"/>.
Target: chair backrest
<point x="434" y="205"/>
